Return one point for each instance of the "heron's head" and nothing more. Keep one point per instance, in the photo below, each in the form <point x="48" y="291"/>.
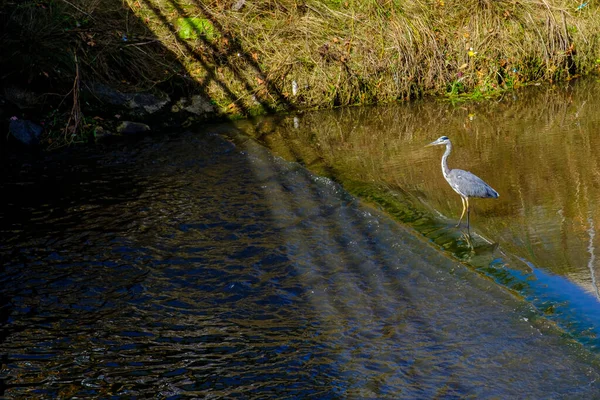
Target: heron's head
<point x="441" y="140"/>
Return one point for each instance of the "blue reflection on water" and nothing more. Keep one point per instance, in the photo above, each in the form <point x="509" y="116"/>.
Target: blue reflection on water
<point x="580" y="310"/>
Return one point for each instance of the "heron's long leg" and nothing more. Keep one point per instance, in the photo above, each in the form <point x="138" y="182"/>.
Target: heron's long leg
<point x="468" y="213"/>
<point x="463" y="211"/>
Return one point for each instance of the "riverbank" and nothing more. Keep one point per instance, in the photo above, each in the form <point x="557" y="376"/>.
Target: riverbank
<point x="78" y="69"/>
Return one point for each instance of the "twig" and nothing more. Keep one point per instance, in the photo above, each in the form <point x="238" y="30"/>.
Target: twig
<point x="74" y="120"/>
<point x="78" y="9"/>
<point x="141" y="43"/>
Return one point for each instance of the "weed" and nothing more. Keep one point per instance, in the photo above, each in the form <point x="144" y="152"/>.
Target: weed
<point x="193" y="28"/>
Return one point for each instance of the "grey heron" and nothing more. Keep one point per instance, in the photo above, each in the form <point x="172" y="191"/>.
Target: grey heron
<point x="463" y="182"/>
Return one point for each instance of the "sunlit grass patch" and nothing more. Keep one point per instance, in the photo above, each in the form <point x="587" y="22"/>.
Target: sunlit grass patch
<point x="194" y="28"/>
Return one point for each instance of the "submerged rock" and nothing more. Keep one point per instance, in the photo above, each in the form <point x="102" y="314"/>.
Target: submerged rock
<point x="22" y="98"/>
<point x="132" y="127"/>
<point x="142" y="103"/>
<point x="109" y="95"/>
<point x="197" y="105"/>
<point x="25" y="131"/>
<point x="101" y="133"/>
<point x="148" y="102"/>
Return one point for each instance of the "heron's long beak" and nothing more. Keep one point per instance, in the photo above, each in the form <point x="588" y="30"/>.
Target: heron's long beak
<point x="434" y="143"/>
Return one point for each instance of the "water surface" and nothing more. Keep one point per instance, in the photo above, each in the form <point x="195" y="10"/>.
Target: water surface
<point x="536" y="147"/>
<point x="202" y="266"/>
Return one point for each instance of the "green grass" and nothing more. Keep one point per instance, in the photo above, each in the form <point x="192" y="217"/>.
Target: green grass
<point x="194" y="28"/>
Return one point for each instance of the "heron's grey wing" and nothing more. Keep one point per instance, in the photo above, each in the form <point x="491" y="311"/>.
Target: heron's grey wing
<point x="470" y="185"/>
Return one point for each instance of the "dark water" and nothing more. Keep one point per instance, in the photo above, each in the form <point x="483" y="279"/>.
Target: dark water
<point x="200" y="266"/>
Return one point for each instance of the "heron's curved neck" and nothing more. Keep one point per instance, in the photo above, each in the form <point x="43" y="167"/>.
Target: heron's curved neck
<point x="445" y="169"/>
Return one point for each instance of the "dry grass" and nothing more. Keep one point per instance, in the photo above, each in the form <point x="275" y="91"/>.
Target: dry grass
<point x="360" y="52"/>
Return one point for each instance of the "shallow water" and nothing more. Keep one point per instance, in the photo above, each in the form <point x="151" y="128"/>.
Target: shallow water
<point x="199" y="265"/>
<point x="537" y="148"/>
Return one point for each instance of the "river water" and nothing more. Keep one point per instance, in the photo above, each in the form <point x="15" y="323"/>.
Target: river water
<point x="204" y="265"/>
<point x="536" y="147"/>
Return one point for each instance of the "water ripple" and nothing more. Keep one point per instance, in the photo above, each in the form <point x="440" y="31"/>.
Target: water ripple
<point x="189" y="267"/>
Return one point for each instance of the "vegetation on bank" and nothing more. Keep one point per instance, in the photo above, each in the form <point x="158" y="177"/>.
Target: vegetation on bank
<point x="252" y="57"/>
